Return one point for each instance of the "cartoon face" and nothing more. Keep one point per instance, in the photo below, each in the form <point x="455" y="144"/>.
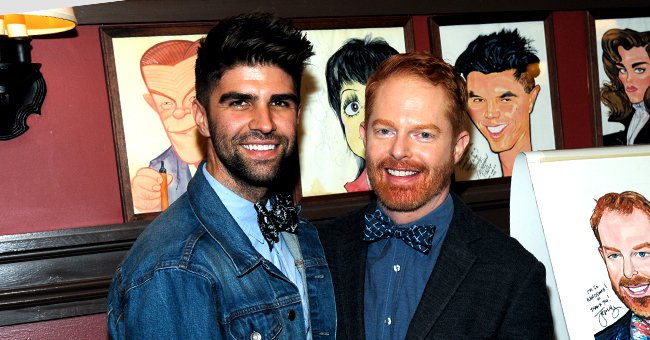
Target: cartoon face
<point x="410" y="144"/>
<point x="253" y="118"/>
<point x="633" y="72"/>
<point x="500" y="108"/>
<point x="352" y="115"/>
<point x="625" y="248"/>
<point x="171" y="93"/>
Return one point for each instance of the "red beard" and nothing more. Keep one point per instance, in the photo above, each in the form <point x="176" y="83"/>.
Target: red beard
<point x="405" y="198"/>
<point x="641" y="305"/>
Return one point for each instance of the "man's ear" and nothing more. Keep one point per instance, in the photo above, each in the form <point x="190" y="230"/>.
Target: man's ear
<point x="149" y="99"/>
<point x="602" y="253"/>
<point x="533" y="97"/>
<point x="362" y="133"/>
<point x="201" y="118"/>
<point x="462" y="140"/>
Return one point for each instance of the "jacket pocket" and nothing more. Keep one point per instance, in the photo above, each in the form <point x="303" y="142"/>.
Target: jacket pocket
<point x="262" y="325"/>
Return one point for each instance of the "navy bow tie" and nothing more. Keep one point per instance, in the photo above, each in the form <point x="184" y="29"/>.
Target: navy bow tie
<point x="379" y="226"/>
<point x="283" y="216"/>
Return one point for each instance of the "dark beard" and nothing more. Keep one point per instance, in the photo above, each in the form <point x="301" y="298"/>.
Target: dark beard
<point x="254" y="173"/>
<point x="409" y="198"/>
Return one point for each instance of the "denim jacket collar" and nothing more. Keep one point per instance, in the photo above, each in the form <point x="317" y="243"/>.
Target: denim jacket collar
<point x="213" y="216"/>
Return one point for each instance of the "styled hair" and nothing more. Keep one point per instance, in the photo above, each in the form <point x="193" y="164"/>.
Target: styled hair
<point x="498" y="52"/>
<point x="353" y="62"/>
<point x="612" y="94"/>
<point x="168" y="53"/>
<point x="432" y="69"/>
<point x="250" y="39"/>
<point x="623" y="203"/>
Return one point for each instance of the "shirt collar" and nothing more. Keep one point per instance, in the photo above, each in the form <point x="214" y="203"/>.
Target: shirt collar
<point x="241" y="209"/>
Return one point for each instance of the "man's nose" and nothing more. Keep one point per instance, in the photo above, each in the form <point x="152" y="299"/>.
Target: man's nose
<point x="400" y="148"/>
<point x="629" y="269"/>
<point x="182" y="111"/>
<point x="492" y="110"/>
<point x="262" y="120"/>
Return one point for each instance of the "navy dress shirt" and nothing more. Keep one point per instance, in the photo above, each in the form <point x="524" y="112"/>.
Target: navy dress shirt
<point x="396" y="275"/>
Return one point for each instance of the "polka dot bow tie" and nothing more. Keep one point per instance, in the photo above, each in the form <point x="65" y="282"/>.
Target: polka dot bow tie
<point x="379" y="226"/>
<point x="283" y="216"/>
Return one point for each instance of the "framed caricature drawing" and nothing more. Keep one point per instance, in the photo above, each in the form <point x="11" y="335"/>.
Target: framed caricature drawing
<point x="623" y="72"/>
<point x="509" y="71"/>
<point x="150" y="71"/>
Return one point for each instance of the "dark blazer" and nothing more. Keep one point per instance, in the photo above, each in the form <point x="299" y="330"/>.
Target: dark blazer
<point x="620" y="137"/>
<point x="484" y="284"/>
<point x="619" y="330"/>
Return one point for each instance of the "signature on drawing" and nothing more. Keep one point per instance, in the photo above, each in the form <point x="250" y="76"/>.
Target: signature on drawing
<point x="475" y="161"/>
<point x="600" y="304"/>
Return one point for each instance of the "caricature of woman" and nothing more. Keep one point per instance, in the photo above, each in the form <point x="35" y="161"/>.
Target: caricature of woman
<point x="626" y="60"/>
<point x="347" y="73"/>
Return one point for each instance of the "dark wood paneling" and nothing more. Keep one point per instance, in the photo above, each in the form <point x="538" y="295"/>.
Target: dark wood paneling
<point x="56" y="274"/>
<point x="133" y="11"/>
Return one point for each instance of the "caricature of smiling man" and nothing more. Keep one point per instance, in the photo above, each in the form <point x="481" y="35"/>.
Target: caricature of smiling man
<point x="621" y="224"/>
<point x="500" y="69"/>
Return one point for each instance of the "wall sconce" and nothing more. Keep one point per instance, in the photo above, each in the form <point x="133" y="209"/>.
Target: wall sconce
<point x="22" y="87"/>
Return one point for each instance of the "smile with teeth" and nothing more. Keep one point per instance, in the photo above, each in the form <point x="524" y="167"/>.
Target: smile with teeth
<point x="401" y="173"/>
<point x="637" y="290"/>
<point x="259" y="147"/>
<point x="496" y="129"/>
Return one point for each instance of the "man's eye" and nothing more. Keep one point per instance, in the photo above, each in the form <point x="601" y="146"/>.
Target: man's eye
<point x="352" y="109"/>
<point x="642" y="254"/>
<point x="426" y="135"/>
<point x="166" y="105"/>
<point x="476" y="100"/>
<point x="383" y="131"/>
<point x="280" y="103"/>
<point x="237" y="103"/>
<point x="613" y="256"/>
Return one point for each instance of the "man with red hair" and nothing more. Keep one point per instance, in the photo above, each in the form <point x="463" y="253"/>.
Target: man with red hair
<point x="621" y="224"/>
<point x="168" y="72"/>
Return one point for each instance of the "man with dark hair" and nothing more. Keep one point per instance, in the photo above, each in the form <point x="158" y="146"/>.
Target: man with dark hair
<point x="621" y="224"/>
<point x="346" y="75"/>
<point x="231" y="258"/>
<point x="418" y="263"/>
<point x="626" y="60"/>
<point x="500" y="69"/>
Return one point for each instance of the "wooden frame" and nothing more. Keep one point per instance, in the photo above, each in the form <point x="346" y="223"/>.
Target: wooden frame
<point x="321" y="135"/>
<point x="139" y="130"/>
<point x="599" y="22"/>
<point x="451" y="35"/>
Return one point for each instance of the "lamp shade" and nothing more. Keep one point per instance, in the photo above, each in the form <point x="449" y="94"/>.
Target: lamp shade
<point x="40" y="22"/>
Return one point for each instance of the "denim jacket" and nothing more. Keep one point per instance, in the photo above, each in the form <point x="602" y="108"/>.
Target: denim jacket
<point x="193" y="274"/>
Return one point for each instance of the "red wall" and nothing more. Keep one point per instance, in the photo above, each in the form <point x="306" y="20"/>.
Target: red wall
<point x="91" y="327"/>
<point x="62" y="173"/>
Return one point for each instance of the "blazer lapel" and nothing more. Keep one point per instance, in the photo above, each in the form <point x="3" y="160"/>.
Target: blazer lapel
<point x="452" y="266"/>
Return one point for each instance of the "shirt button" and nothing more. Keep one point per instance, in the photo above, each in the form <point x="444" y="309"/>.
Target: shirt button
<point x="397" y="268"/>
<point x="388" y="321"/>
<point x="256" y="336"/>
<point x="291" y="315"/>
